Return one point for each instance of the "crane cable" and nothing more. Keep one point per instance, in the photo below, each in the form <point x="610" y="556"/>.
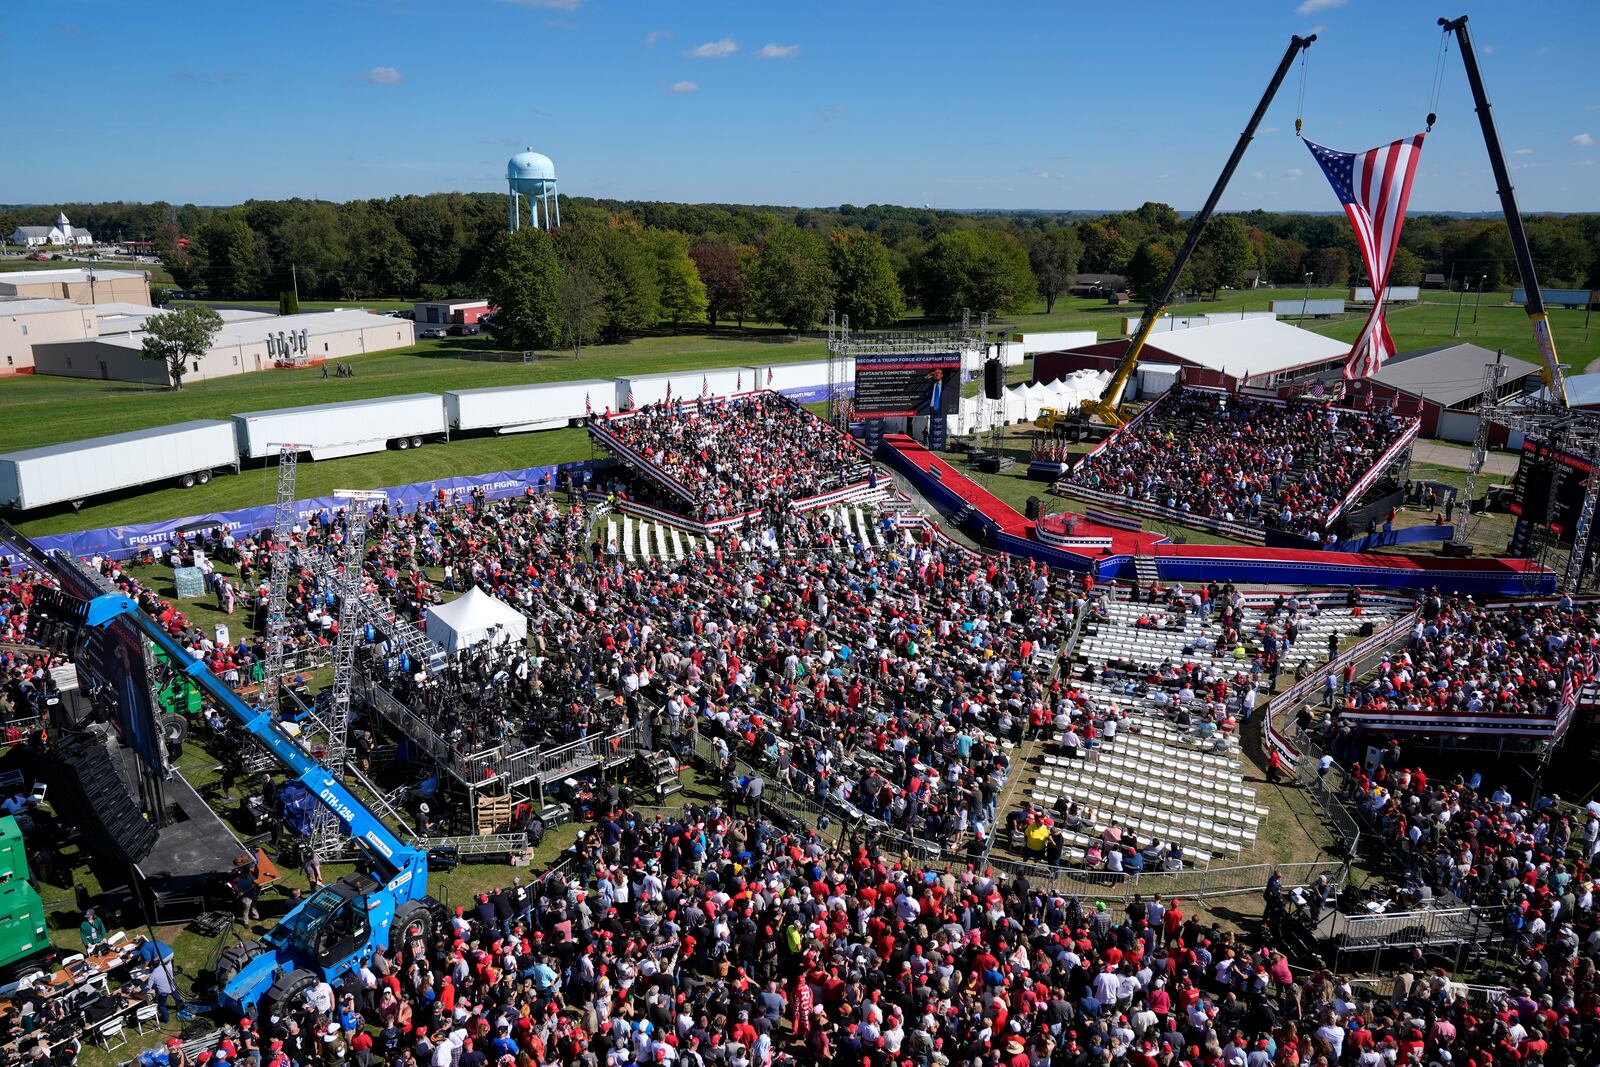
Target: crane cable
<point x="1438" y="79"/>
<point x="1300" y="106"/>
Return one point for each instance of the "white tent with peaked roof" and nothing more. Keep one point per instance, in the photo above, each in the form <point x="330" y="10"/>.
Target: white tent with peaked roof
<point x="474" y="618"/>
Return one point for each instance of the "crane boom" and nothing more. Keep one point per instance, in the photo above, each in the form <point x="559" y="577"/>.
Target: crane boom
<point x="401" y="867"/>
<point x="1551" y="364"/>
<point x="1106" y="407"/>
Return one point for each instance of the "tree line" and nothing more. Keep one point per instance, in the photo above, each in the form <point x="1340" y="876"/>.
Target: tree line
<point x="616" y="268"/>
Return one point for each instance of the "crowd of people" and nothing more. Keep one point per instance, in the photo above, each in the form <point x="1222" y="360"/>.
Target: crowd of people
<point x="705" y="939"/>
<point x="1467" y="659"/>
<point x="892" y="686"/>
<point x="1242" y="460"/>
<point x="750" y="453"/>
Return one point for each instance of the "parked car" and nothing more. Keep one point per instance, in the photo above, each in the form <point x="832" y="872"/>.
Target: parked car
<point x="431" y="331"/>
<point x="464" y="330"/>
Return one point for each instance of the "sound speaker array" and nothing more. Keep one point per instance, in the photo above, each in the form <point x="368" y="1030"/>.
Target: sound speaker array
<point x="1033" y="508"/>
<point x="994" y="380"/>
<point x="86" y="787"/>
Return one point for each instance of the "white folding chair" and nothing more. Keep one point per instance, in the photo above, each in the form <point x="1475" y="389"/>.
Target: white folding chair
<point x="117" y="938"/>
<point x="76" y="957"/>
<point x="145" y="1013"/>
<point x="112" y="1030"/>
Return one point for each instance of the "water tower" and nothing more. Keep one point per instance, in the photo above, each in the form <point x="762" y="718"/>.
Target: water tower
<point x="531" y="173"/>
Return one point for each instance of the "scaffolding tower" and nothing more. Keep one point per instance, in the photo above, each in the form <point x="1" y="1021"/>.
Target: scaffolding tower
<point x="283" y="516"/>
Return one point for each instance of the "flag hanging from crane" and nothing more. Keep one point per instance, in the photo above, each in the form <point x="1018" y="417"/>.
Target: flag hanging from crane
<point x="1374" y="186"/>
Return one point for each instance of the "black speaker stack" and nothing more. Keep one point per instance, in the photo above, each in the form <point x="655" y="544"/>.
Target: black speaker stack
<point x="87" y="788"/>
<point x="994" y="380"/>
<point x="1033" y="508"/>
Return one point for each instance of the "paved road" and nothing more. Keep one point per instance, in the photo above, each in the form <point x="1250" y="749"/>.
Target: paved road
<point x="1502" y="463"/>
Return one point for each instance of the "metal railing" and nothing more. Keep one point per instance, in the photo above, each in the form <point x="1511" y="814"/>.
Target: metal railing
<point x="1197" y="883"/>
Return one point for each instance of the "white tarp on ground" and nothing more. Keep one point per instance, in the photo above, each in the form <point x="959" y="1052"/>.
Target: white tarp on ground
<point x="474" y="618"/>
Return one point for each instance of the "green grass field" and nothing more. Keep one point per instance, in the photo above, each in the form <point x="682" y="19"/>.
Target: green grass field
<point x="37" y="410"/>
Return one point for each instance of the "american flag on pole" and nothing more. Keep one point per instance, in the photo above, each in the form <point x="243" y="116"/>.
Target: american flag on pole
<point x="1374" y="187"/>
<point x="588" y="408"/>
<point x="738" y="382"/>
<point x="630" y="397"/>
<point x="769" y="377"/>
<point x="705" y="387"/>
<point x="669" y="394"/>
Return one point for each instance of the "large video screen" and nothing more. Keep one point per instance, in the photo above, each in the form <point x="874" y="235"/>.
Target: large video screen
<point x="1532" y="488"/>
<point x="908" y="384"/>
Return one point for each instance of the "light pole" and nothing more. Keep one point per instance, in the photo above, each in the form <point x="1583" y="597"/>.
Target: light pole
<point x="1479" y="298"/>
<point x="1305" y="301"/>
<point x="1461" y="299"/>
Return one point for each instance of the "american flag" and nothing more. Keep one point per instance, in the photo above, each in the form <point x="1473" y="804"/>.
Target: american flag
<point x="1374" y="187"/>
<point x="738" y="382"/>
<point x="669" y="394"/>
<point x="588" y="407"/>
<point x="630" y="398"/>
<point x="705" y="387"/>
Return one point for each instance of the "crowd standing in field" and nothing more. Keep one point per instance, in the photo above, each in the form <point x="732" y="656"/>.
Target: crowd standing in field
<point x="891" y="682"/>
<point x="1243" y="460"/>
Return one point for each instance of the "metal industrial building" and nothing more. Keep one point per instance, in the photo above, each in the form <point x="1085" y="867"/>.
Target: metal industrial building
<point x="247" y="342"/>
<point x="80" y="285"/>
<point x="1444" y="387"/>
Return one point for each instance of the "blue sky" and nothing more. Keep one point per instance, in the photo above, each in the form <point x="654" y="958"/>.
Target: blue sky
<point x="959" y="105"/>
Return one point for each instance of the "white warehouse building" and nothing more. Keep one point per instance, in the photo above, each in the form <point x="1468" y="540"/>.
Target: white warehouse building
<point x="243" y="345"/>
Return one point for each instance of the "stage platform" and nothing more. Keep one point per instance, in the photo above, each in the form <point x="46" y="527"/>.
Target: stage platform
<point x="1111" y="552"/>
<point x="193" y="852"/>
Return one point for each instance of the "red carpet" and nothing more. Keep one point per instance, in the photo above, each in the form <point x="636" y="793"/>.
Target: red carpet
<point x="1010" y="519"/>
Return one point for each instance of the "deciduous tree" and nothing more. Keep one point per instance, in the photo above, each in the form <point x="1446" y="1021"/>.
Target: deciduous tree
<point x="717" y="263"/>
<point x="979" y="270"/>
<point x="1054" y="257"/>
<point x="791" y="281"/>
<point x="522" y="279"/>
<point x="864" y="283"/>
<point x="682" y="294"/>
<point x="177" y="338"/>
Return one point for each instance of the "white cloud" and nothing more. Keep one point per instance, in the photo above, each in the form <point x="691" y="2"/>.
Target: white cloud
<point x="1523" y="166"/>
<point x="1294" y="172"/>
<point x="383" y="76"/>
<point x="1311" y="7"/>
<point x="1522" y="151"/>
<point x="714" y="49"/>
<point x="1591" y="107"/>
<point x="779" y="51"/>
<point x="1489" y="49"/>
<point x="653" y="36"/>
<point x="552" y="5"/>
<point x="1258" y="174"/>
<point x="1584" y="139"/>
<point x="683" y="87"/>
<point x="1268" y="129"/>
<point x="1584" y="163"/>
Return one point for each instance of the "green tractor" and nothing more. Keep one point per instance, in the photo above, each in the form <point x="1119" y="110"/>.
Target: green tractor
<point x="179" y="700"/>
<point x="22" y="929"/>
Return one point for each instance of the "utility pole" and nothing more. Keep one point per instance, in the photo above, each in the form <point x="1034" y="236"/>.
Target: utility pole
<point x="1305" y="301"/>
<point x="1460" y="299"/>
<point x="1479" y="298"/>
<point x="294" y="276"/>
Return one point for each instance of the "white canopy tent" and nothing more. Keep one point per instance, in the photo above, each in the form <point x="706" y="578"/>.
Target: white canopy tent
<point x="474" y="618"/>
